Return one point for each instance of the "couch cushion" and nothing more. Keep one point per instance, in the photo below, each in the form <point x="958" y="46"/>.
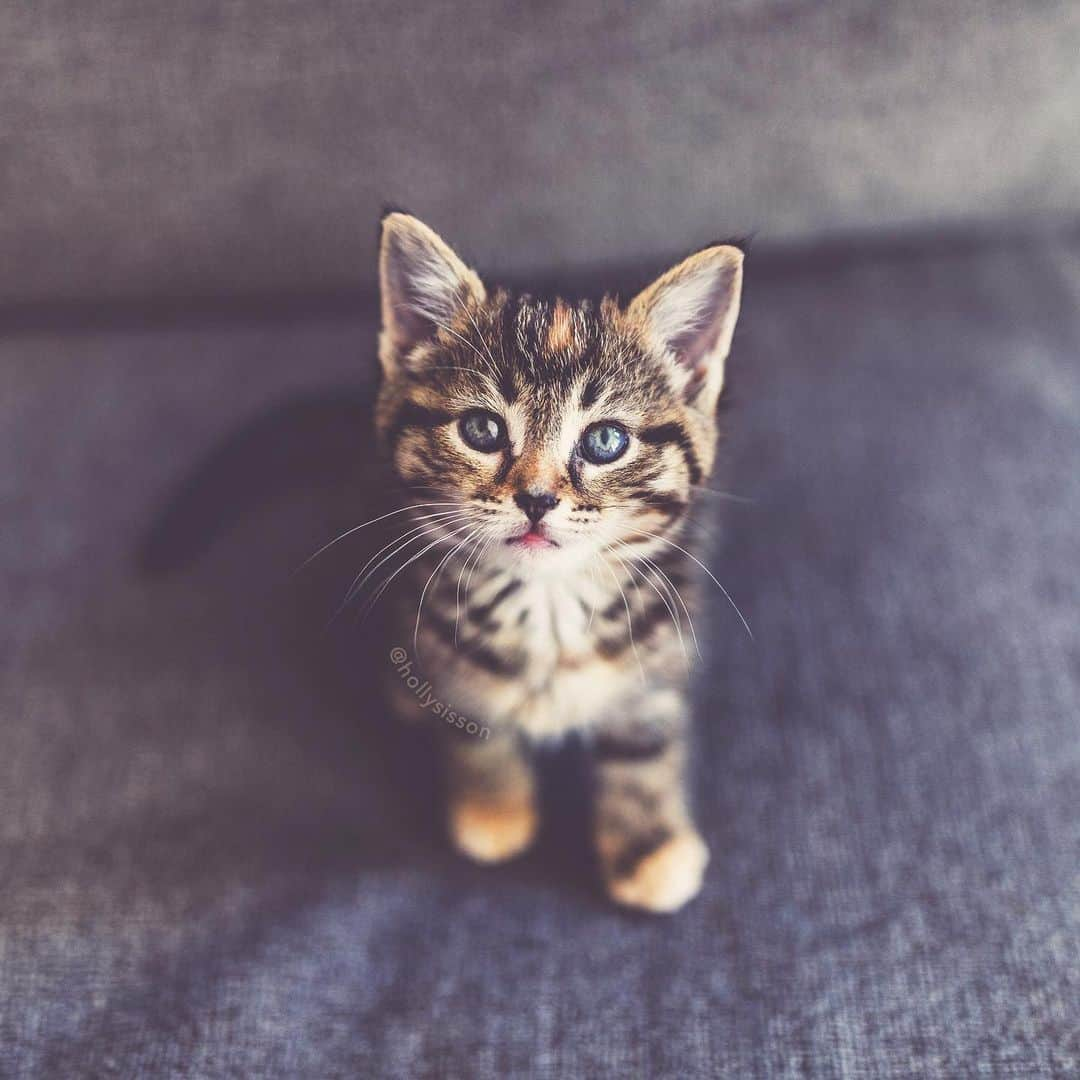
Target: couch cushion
<point x="218" y="859"/>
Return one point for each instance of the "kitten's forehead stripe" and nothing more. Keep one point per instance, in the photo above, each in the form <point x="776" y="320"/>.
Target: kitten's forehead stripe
<point x="560" y="333"/>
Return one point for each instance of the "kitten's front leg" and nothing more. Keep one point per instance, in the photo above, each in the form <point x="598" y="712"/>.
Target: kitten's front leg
<point x="651" y="855"/>
<point x="492" y="796"/>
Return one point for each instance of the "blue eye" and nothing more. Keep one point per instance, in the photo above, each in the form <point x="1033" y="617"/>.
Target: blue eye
<point x="483" y="431"/>
<point x="604" y="442"/>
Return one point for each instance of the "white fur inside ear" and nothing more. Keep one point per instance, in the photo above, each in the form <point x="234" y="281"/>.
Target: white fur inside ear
<point x="690" y="314"/>
<point x="426" y="283"/>
<point x="423" y="283"/>
<point x="686" y="310"/>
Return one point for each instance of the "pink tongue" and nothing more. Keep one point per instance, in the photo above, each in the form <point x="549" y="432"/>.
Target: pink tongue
<point x="534" y="539"/>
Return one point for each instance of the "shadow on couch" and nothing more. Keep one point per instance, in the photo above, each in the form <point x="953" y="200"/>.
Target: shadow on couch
<point x="314" y="456"/>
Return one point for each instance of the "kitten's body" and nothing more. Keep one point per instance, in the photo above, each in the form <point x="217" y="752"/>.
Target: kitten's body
<point x="550" y="582"/>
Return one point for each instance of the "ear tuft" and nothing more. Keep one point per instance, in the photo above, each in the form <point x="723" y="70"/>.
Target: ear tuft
<point x="423" y="285"/>
<point x="689" y="314"/>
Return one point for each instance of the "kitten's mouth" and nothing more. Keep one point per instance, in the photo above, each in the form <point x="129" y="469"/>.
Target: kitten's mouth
<point x="532" y="537"/>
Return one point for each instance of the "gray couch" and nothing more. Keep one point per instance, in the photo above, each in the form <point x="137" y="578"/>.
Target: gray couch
<point x="218" y="858"/>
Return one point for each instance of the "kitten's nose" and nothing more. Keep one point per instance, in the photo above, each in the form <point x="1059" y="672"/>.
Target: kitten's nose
<point x="535" y="503"/>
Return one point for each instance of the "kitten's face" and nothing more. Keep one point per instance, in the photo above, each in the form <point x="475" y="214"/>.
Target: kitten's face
<point x="546" y="433"/>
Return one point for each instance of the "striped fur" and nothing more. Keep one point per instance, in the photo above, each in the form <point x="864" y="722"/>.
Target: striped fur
<point x="589" y="631"/>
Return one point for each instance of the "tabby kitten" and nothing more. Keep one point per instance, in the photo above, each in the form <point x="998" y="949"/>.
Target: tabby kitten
<point x="556" y="448"/>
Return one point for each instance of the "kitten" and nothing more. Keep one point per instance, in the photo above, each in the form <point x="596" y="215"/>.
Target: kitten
<point x="556" y="449"/>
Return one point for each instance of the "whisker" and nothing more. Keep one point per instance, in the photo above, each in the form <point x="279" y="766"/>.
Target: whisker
<point x="712" y="576"/>
<point x="468" y="314"/>
<point x="468" y="581"/>
<point x="457" y="589"/>
<point x="434" y="574"/>
<point x="429" y="527"/>
<point x="674" y="588"/>
<point x="364" y="525"/>
<point x="592" y="611"/>
<point x="685" y="518"/>
<point x="730" y="496"/>
<point x="629" y="576"/>
<point x="486" y="361"/>
<point x="464" y="340"/>
<point x="455" y="367"/>
<point x="386" y="584"/>
<point x="476" y="555"/>
<point x="671" y="611"/>
<point x="357" y="584"/>
<point x="629" y="617"/>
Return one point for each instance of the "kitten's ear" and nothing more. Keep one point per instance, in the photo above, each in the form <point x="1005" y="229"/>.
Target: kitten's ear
<point x="423" y="285"/>
<point x="689" y="314"/>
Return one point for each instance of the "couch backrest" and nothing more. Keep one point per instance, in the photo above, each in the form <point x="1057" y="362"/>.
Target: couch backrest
<point x="152" y="148"/>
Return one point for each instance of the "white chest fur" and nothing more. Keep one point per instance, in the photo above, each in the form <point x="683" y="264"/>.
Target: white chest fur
<point x="565" y="683"/>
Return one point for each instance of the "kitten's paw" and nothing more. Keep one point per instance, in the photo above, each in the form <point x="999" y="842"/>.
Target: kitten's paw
<point x="665" y="879"/>
<point x="491" y="833"/>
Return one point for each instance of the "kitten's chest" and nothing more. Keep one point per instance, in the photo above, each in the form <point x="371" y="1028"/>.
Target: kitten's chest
<point x="560" y="680"/>
<point x="553" y="623"/>
<point x="547" y="623"/>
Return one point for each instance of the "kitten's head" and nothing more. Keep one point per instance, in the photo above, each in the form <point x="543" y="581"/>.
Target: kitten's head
<point x="551" y="431"/>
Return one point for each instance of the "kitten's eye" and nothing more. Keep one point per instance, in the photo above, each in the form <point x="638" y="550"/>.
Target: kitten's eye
<point x="603" y="443"/>
<point x="483" y="431"/>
